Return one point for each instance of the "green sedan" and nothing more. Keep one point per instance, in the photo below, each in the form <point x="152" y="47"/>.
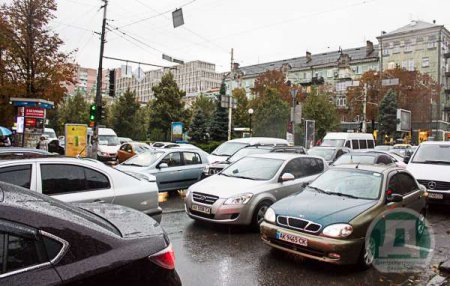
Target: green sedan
<point x="328" y="220"/>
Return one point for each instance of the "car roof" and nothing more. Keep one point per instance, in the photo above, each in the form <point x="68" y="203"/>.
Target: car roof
<point x="348" y="135"/>
<point x="379" y="168"/>
<point x="367" y="153"/>
<point x="56" y="160"/>
<point x="260" y="140"/>
<point x="283" y="156"/>
<point x="435" y="143"/>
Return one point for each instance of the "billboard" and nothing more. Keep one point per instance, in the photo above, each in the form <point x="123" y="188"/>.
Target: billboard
<point x="177" y="131"/>
<point x="76" y="140"/>
<point x="403" y="120"/>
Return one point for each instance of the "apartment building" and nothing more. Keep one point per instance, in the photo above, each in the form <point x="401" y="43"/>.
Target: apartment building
<point x="86" y="83"/>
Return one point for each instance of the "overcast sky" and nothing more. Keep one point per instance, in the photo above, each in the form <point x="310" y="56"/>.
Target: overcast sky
<point x="258" y="30"/>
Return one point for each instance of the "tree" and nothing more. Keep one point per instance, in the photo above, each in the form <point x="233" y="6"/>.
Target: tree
<point x="124" y="115"/>
<point x="167" y="107"/>
<point x="218" y="130"/>
<point x="198" y="128"/>
<point x="73" y="109"/>
<point x="275" y="80"/>
<point x="271" y="115"/>
<point x="387" y="117"/>
<point x="206" y="105"/>
<point x="32" y="64"/>
<point x="323" y="111"/>
<point x="240" y="114"/>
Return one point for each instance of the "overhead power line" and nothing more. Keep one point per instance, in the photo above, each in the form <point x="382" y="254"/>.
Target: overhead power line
<point x="136" y="62"/>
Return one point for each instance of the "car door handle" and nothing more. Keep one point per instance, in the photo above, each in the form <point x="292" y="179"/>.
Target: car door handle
<point x="99" y="201"/>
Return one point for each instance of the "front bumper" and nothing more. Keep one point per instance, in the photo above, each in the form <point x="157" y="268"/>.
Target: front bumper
<point x="434" y="197"/>
<point x="220" y="213"/>
<point x="318" y="247"/>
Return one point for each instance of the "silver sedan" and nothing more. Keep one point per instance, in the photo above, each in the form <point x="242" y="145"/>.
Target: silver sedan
<point x="241" y="193"/>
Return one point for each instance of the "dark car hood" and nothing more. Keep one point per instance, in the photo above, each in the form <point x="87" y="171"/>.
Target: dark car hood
<point x="322" y="208"/>
<point x="131" y="223"/>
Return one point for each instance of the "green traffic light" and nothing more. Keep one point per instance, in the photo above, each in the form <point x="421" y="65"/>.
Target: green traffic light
<point x="92" y="118"/>
<point x="93" y="107"/>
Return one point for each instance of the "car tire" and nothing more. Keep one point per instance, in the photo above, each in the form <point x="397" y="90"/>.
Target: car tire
<point x="367" y="254"/>
<point x="258" y="214"/>
<point x="420" y="227"/>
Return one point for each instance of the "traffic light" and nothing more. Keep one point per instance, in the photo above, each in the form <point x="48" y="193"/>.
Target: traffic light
<point x="101" y="112"/>
<point x="112" y="83"/>
<point x="92" y="115"/>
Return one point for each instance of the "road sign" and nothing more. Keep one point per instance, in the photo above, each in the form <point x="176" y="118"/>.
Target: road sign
<point x="403" y="120"/>
<point x="225" y="101"/>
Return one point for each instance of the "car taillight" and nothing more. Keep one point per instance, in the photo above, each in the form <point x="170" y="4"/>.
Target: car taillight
<point x="165" y="258"/>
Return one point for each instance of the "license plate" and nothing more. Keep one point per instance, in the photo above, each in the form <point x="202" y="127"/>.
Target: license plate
<point x="201" y="209"/>
<point x="295" y="239"/>
<point x="436" y="196"/>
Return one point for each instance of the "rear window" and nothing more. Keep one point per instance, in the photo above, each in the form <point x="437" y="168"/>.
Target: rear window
<point x="355" y="159"/>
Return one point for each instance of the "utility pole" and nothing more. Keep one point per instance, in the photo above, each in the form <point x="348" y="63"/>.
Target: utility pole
<point x="230" y="107"/>
<point x="364" y="123"/>
<point x="98" y="95"/>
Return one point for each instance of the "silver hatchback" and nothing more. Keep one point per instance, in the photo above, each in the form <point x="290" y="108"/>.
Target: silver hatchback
<point x="241" y="193"/>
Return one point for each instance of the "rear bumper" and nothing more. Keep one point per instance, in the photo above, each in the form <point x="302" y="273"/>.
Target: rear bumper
<point x="156" y="214"/>
<point x="318" y="247"/>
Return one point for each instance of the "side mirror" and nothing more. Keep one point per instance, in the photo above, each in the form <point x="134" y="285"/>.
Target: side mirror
<point x="163" y="166"/>
<point x="406" y="159"/>
<point x="287" y="177"/>
<point x="395" y="198"/>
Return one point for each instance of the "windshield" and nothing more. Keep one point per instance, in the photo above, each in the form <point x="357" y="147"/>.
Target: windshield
<point x="432" y="153"/>
<point x="245" y="168"/>
<point x="141" y="148"/>
<point x="349" y="182"/>
<point x="355" y="159"/>
<point x="327" y="154"/>
<point x="228" y="148"/>
<point x="144" y="159"/>
<point x="247" y="151"/>
<point x="333" y="142"/>
<point x="110" y="140"/>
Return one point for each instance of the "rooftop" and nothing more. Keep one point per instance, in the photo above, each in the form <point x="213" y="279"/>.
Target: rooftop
<point x="413" y="26"/>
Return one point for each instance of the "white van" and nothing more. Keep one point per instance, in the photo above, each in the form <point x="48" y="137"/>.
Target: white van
<point x="50" y="134"/>
<point x="230" y="147"/>
<point x="108" y="145"/>
<point x="355" y="141"/>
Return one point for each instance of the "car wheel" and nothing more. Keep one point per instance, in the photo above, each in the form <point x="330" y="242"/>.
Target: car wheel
<point x="258" y="214"/>
<point x="367" y="254"/>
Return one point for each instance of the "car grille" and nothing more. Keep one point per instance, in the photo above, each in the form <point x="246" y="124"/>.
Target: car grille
<point x="204" y="198"/>
<point x="213" y="171"/>
<point x="435" y="185"/>
<point x="298" y="224"/>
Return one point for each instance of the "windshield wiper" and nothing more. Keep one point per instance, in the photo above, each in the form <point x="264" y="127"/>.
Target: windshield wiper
<point x="243" y="177"/>
<point x="132" y="164"/>
<point x="343" y="195"/>
<point x="317" y="189"/>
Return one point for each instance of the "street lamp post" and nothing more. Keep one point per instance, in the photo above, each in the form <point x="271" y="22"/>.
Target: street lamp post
<point x="250" y="113"/>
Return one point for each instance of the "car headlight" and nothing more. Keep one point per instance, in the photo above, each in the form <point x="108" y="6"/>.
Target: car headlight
<point x="338" y="230"/>
<point x="269" y="216"/>
<point x="239" y="200"/>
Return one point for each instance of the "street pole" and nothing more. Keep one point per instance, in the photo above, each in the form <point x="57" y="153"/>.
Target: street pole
<point x="364" y="123"/>
<point x="294" y="97"/>
<point x="98" y="95"/>
<point x="230" y="107"/>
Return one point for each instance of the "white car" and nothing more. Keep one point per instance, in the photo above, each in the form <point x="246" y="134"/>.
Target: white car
<point x="83" y="181"/>
<point x="430" y="165"/>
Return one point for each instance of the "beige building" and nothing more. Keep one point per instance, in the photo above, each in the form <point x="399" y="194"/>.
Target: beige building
<point x="193" y="77"/>
<point x="86" y="83"/>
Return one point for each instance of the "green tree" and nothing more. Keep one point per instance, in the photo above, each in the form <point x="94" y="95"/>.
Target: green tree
<point x="198" y="129"/>
<point x="240" y="114"/>
<point x="73" y="109"/>
<point x="218" y="130"/>
<point x="323" y="111"/>
<point x="387" y="115"/>
<point x="167" y="107"/>
<point x="206" y="105"/>
<point x="124" y="115"/>
<point x="271" y="115"/>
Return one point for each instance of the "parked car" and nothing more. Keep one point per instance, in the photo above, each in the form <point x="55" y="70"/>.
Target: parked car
<point x="368" y="158"/>
<point x="164" y="145"/>
<point x="129" y="149"/>
<point x="353" y="141"/>
<point x="174" y="168"/>
<point x="124" y="140"/>
<point x="241" y="193"/>
<point x="83" y="180"/>
<point x="398" y="160"/>
<point x="402" y="149"/>
<point x="383" y="148"/>
<point x="430" y="164"/>
<point x="44" y="241"/>
<point x="49" y="133"/>
<point x="227" y="149"/>
<point x="9" y="153"/>
<point x="215" y="168"/>
<point x="108" y="145"/>
<point x="330" y="154"/>
<point x="329" y="219"/>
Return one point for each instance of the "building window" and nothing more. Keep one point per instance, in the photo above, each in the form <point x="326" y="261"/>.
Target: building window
<point x="432" y="42"/>
<point x="330" y="73"/>
<point x="396" y="49"/>
<point x="408" y="47"/>
<point x="411" y="65"/>
<point x="404" y="65"/>
<point x="341" y="101"/>
<point x="386" y="51"/>
<point x="425" y="62"/>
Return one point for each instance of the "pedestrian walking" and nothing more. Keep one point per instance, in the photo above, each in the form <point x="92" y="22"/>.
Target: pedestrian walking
<point x="42" y="144"/>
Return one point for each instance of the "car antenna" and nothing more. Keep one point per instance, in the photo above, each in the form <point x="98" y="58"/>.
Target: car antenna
<point x="357" y="165"/>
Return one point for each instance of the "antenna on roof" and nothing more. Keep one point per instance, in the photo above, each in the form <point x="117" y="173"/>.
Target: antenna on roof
<point x="357" y="165"/>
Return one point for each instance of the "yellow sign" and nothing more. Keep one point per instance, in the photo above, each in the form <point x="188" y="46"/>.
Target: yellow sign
<point x="76" y="140"/>
<point x="423" y="136"/>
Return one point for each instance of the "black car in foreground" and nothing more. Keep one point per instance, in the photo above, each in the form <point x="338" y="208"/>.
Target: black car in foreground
<point x="47" y="242"/>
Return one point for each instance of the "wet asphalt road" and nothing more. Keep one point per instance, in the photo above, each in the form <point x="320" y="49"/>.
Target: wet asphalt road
<point x="220" y="255"/>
